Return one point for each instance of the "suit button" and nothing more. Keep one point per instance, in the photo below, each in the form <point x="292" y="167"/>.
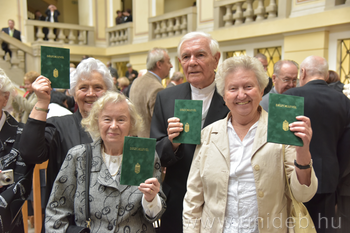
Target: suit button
<point x="257" y="167"/>
<point x="261" y="194"/>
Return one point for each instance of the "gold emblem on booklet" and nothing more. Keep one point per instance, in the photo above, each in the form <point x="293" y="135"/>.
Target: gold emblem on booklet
<point x="137" y="168"/>
<point x="285" y="125"/>
<point x="187" y="127"/>
<point x="55" y="73"/>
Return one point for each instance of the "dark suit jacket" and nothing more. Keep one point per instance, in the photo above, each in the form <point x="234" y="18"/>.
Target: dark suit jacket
<point x="329" y="112"/>
<point x="178" y="164"/>
<point x="16" y="34"/>
<point x="56" y="13"/>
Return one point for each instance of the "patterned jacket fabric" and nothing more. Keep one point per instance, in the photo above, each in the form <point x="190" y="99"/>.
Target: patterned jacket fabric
<point x="13" y="196"/>
<point x="113" y="207"/>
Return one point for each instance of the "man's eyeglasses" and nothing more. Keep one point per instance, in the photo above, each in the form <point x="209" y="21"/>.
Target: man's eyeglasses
<point x="285" y="80"/>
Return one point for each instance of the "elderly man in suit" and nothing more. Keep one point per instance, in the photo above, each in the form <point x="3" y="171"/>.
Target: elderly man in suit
<point x="12" y="32"/>
<point x="144" y="89"/>
<point x="199" y="56"/>
<point x="329" y="112"/>
<point x="285" y="76"/>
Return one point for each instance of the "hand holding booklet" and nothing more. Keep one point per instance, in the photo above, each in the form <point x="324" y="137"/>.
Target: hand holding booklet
<point x="138" y="160"/>
<point x="283" y="110"/>
<point x="190" y="114"/>
<point x="55" y="66"/>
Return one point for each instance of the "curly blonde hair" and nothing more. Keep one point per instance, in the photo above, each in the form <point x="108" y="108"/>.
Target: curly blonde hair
<point x="90" y="123"/>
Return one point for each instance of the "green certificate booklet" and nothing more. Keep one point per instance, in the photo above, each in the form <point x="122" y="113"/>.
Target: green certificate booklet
<point x="138" y="160"/>
<point x="190" y="114"/>
<point x="55" y="66"/>
<point x="282" y="111"/>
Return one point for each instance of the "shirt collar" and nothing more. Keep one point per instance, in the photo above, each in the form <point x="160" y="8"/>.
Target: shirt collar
<point x="204" y="91"/>
<point x="2" y="120"/>
<point x="160" y="80"/>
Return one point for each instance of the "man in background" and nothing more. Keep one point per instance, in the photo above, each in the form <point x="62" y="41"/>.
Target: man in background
<point x="263" y="59"/>
<point x="11" y="31"/>
<point x="144" y="89"/>
<point x="329" y="113"/>
<point x="176" y="79"/>
<point x="285" y="76"/>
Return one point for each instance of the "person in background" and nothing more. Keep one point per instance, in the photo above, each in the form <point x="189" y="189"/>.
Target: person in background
<point x="176" y="79"/>
<point x="39" y="16"/>
<point x="143" y="91"/>
<point x="115" y="207"/>
<point x="119" y="19"/>
<point x="199" y="55"/>
<point x="113" y="71"/>
<point x="11" y="31"/>
<point x="24" y="105"/>
<point x="127" y="17"/>
<point x="131" y="74"/>
<point x="123" y="84"/>
<point x="285" y="76"/>
<point x="58" y="105"/>
<point x="52" y="14"/>
<point x="333" y="81"/>
<point x="263" y="59"/>
<point x="14" y="195"/>
<point x="329" y="112"/>
<point x="55" y="136"/>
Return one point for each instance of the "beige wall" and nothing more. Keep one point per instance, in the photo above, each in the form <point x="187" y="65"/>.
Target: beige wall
<point x="13" y="11"/>
<point x="140" y="18"/>
<point x="173" y="5"/>
<point x="68" y="11"/>
<point x="298" y="47"/>
<point x="86" y="13"/>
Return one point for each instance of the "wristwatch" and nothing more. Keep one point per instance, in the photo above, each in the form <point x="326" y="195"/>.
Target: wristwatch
<point x="303" y="166"/>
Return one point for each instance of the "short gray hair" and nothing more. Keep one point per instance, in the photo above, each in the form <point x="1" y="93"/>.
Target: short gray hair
<point x="177" y="76"/>
<point x="90" y="123"/>
<point x="261" y="56"/>
<point x="84" y="70"/>
<point x="6" y="86"/>
<point x="155" y="55"/>
<point x="278" y="65"/>
<point x="315" y="65"/>
<point x="213" y="44"/>
<point x="232" y="64"/>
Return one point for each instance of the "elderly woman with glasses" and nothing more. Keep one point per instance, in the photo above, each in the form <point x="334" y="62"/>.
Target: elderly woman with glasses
<point x="237" y="180"/>
<point x="12" y="195"/>
<point x="55" y="136"/>
<point x="113" y="207"/>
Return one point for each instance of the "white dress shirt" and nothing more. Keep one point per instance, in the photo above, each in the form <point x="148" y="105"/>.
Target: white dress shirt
<point x="205" y="94"/>
<point x="242" y="208"/>
<point x="113" y="164"/>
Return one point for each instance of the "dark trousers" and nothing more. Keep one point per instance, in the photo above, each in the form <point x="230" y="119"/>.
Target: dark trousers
<point x="322" y="211"/>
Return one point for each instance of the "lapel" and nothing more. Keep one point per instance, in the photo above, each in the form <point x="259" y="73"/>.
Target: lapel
<point x="104" y="178"/>
<point x="185" y="91"/>
<point x="217" y="109"/>
<point x="219" y="138"/>
<point x="261" y="132"/>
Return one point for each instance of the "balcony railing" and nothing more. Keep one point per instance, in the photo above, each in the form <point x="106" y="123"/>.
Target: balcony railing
<point x="173" y="24"/>
<point x="14" y="66"/>
<point x="236" y="12"/>
<point x="60" y="32"/>
<point x="120" y="34"/>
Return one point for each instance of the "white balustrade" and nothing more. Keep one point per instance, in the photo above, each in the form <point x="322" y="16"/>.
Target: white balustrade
<point x="60" y="32"/>
<point x="120" y="34"/>
<point x="173" y="23"/>
<point x="229" y="13"/>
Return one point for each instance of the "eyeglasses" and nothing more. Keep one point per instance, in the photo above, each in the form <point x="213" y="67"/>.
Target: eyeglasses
<point x="285" y="80"/>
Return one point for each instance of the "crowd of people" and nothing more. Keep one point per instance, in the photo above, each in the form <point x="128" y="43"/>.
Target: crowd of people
<point x="233" y="181"/>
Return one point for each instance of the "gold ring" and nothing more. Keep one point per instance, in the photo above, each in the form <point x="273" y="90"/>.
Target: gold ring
<point x="151" y="192"/>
